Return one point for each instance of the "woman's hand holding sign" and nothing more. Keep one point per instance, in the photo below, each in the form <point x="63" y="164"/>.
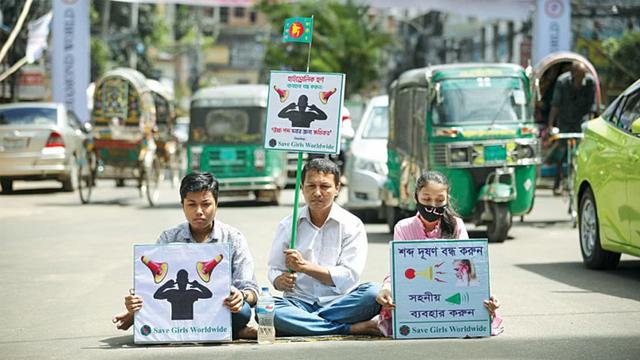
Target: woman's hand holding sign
<point x="385" y="299"/>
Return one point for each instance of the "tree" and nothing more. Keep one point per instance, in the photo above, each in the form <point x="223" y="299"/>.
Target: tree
<point x="11" y="10"/>
<point x="122" y="41"/>
<point x="99" y="49"/>
<point x="623" y="54"/>
<point x="343" y="41"/>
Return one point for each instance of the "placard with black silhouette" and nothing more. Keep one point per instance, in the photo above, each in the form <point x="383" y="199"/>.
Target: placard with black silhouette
<point x="183" y="287"/>
<point x="304" y="112"/>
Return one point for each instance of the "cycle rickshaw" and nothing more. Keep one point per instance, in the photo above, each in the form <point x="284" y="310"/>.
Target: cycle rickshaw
<point x="124" y="121"/>
<point x="168" y="148"/>
<point x="545" y="75"/>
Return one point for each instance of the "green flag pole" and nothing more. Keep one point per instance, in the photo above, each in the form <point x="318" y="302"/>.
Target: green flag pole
<point x="294" y="220"/>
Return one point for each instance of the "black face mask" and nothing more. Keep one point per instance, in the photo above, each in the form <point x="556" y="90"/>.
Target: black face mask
<point x="431" y="213"/>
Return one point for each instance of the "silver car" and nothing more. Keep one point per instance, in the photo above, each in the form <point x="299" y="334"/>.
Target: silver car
<point x="366" y="167"/>
<point x="39" y="141"/>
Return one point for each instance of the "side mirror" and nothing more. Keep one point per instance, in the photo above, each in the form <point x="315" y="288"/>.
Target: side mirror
<point x="87" y="127"/>
<point x="635" y="127"/>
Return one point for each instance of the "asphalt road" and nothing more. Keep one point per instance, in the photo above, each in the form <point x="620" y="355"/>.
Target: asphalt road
<point x="65" y="269"/>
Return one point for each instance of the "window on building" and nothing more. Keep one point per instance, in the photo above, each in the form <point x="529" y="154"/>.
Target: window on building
<point x="253" y="16"/>
<point x="238" y="12"/>
<point x="224" y="14"/>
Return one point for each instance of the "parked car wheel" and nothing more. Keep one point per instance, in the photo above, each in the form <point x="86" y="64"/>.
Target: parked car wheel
<point x="7" y="185"/>
<point x="593" y="255"/>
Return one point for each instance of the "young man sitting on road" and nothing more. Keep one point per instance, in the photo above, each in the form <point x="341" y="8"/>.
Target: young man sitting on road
<point x="319" y="277"/>
<point x="199" y="198"/>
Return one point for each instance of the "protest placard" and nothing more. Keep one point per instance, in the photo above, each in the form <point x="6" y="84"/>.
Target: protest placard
<point x="304" y="111"/>
<point x="439" y="288"/>
<point x="183" y="287"/>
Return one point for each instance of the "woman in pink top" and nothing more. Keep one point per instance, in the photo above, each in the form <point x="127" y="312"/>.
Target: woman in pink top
<point x="436" y="219"/>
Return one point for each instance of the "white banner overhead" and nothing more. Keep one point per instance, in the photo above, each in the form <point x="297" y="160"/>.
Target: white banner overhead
<point x="71" y="69"/>
<point x="499" y="9"/>
<point x="212" y="3"/>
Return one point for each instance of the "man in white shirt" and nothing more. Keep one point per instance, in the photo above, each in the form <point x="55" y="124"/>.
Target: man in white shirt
<point x="319" y="278"/>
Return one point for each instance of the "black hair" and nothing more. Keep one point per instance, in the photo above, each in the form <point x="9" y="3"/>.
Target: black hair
<point x="448" y="224"/>
<point x="324" y="166"/>
<point x="197" y="182"/>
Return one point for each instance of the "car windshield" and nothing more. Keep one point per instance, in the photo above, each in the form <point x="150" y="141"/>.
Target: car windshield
<point x="28" y="116"/>
<point x="376" y="126"/>
<point x="480" y="100"/>
<point x="232" y="125"/>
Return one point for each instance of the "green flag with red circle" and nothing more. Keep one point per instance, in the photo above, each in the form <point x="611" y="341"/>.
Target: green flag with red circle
<point x="298" y="29"/>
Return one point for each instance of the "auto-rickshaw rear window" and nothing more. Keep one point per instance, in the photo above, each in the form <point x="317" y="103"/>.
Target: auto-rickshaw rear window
<point x="229" y="125"/>
<point x="480" y="100"/>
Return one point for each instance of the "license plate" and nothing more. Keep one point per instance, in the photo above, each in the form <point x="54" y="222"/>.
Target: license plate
<point x="14" y="144"/>
<point x="495" y="153"/>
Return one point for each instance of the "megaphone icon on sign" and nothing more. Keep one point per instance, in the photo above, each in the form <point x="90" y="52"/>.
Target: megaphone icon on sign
<point x="158" y="269"/>
<point x="206" y="267"/>
<point x="428" y="273"/>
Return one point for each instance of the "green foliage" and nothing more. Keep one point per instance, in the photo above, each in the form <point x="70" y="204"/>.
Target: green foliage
<point x="624" y="53"/>
<point x="343" y="41"/>
<point x="122" y="41"/>
<point x="99" y="58"/>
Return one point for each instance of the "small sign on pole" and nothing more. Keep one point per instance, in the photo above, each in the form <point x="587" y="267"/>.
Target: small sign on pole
<point x="439" y="288"/>
<point x="183" y="287"/>
<point x="304" y="112"/>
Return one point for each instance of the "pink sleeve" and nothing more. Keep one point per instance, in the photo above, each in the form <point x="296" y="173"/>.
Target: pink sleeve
<point x="461" y="230"/>
<point x="397" y="232"/>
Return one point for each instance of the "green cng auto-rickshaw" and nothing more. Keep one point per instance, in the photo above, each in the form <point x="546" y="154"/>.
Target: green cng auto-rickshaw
<point x="473" y="122"/>
<point x="226" y="139"/>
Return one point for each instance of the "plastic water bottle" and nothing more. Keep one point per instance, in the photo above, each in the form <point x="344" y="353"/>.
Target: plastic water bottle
<point x="265" y="308"/>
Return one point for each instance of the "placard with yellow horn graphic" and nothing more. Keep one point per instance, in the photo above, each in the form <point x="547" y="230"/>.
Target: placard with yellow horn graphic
<point x="439" y="288"/>
<point x="304" y="112"/>
<point x="183" y="287"/>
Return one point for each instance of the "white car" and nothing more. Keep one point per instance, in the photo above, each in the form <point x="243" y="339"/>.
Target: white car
<point x="39" y="141"/>
<point x="366" y="167"/>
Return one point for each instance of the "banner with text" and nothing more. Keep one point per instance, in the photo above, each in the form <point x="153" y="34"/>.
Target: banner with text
<point x="551" y="28"/>
<point x="439" y="288"/>
<point x="304" y="111"/>
<point x="70" y="55"/>
<point x="183" y="287"/>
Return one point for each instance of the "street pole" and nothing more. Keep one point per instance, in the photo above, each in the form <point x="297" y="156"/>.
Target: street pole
<point x="133" y="58"/>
